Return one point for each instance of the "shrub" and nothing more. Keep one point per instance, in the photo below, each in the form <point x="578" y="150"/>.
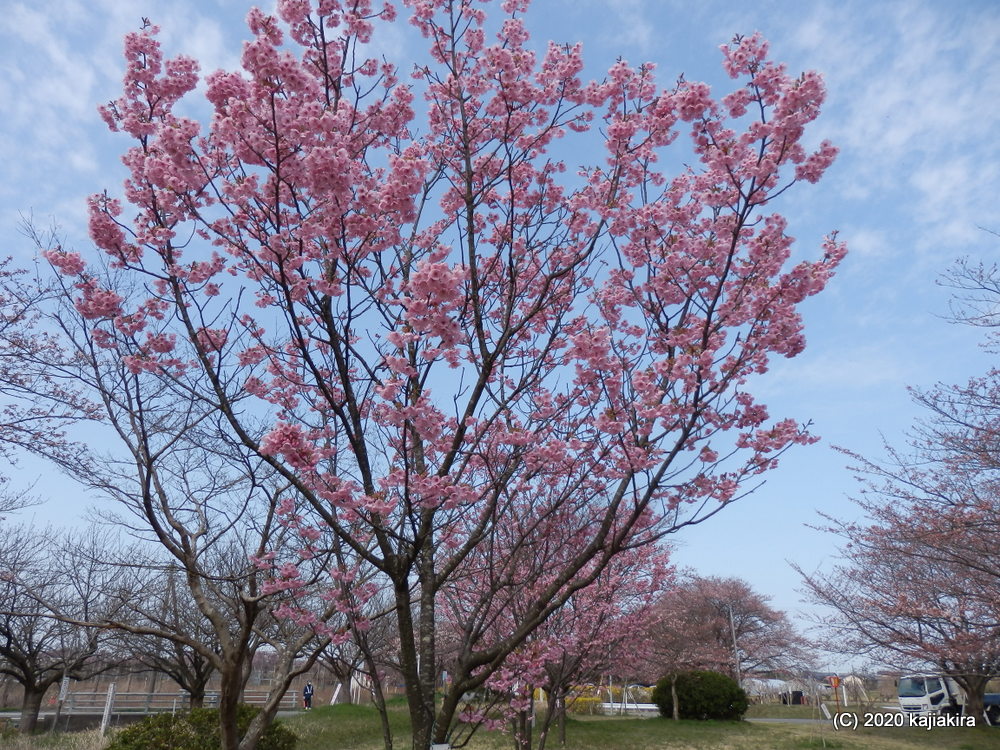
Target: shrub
<point x="585" y="704"/>
<point x="197" y="729"/>
<point x="701" y="695"/>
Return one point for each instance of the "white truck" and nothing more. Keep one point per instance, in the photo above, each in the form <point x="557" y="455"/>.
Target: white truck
<point x="937" y="694"/>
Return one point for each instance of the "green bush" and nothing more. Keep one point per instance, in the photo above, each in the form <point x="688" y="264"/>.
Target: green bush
<point x="701" y="695"/>
<point x="197" y="729"/>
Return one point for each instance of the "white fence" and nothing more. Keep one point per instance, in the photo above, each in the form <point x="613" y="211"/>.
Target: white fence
<point x="153" y="702"/>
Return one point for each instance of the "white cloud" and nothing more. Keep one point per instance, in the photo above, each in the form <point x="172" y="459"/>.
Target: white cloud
<point x="914" y="95"/>
<point x="868" y="242"/>
<point x="59" y="61"/>
<point x="858" y="368"/>
<point x="201" y="38"/>
<point x="633" y="29"/>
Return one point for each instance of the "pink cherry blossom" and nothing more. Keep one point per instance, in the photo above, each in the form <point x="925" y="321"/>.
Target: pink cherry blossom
<point x="67" y="263"/>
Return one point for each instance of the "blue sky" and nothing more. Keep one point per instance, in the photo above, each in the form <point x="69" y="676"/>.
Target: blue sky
<point x="913" y="104"/>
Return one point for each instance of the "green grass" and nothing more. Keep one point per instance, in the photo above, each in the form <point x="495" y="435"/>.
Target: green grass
<point x="357" y="728"/>
<point x="345" y="726"/>
<point x="779" y="710"/>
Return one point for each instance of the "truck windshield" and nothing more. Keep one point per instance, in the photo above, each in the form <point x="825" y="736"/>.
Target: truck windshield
<point x="912" y="687"/>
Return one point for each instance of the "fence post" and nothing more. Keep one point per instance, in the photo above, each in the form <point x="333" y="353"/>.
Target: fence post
<point x="63" y="689"/>
<point x="107" y="708"/>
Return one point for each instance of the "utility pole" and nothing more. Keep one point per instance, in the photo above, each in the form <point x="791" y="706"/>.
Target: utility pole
<point x="736" y="650"/>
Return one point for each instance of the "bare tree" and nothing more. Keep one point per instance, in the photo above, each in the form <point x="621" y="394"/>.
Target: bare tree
<point x="208" y="609"/>
<point x="42" y="579"/>
<point x="168" y="605"/>
<point x="11" y="502"/>
<point x="216" y="532"/>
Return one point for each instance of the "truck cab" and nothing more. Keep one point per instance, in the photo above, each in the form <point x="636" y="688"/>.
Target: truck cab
<point x="929" y="694"/>
<point x="932" y="694"/>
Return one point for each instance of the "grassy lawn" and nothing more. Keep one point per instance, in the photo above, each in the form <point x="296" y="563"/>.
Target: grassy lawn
<point x="357" y="728"/>
<point x="779" y="710"/>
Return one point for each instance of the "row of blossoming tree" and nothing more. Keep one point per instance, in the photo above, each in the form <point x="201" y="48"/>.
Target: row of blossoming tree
<point x="483" y="379"/>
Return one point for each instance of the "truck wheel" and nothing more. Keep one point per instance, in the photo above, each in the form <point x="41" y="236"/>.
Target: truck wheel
<point x="993" y="715"/>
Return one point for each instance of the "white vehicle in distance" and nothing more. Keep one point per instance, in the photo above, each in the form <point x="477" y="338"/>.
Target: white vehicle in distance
<point x="937" y="694"/>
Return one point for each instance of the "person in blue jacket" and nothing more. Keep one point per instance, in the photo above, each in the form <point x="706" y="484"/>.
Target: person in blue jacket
<point x="307" y="696"/>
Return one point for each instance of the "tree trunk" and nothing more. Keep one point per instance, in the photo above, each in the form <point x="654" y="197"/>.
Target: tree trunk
<point x="378" y="696"/>
<point x="562" y="719"/>
<point x="975" y="688"/>
<point x="673" y="696"/>
<point x="554" y="714"/>
<point x="522" y="730"/>
<point x="30" y="706"/>
<point x="409" y="658"/>
<point x="419" y="694"/>
<point x="429" y="731"/>
<point x="196" y="692"/>
<point x="423" y="726"/>
<point x="230" y="689"/>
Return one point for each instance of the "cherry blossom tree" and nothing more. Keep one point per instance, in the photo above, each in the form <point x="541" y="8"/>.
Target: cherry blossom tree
<point x="683" y="637"/>
<point x="722" y="624"/>
<point x="895" y="600"/>
<point x="368" y="655"/>
<point x="742" y="621"/>
<point x="917" y="580"/>
<point x="918" y="577"/>
<point x="440" y="323"/>
<point x="962" y="421"/>
<point x="595" y="633"/>
<point x="36" y="405"/>
<point x="598" y="633"/>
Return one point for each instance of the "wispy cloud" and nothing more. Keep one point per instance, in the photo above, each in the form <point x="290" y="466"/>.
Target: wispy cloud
<point x="634" y="31"/>
<point x="59" y="61"/>
<point x="914" y="105"/>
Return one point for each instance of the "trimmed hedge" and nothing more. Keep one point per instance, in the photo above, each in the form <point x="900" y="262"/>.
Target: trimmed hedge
<point x="701" y="695"/>
<point x="197" y="729"/>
